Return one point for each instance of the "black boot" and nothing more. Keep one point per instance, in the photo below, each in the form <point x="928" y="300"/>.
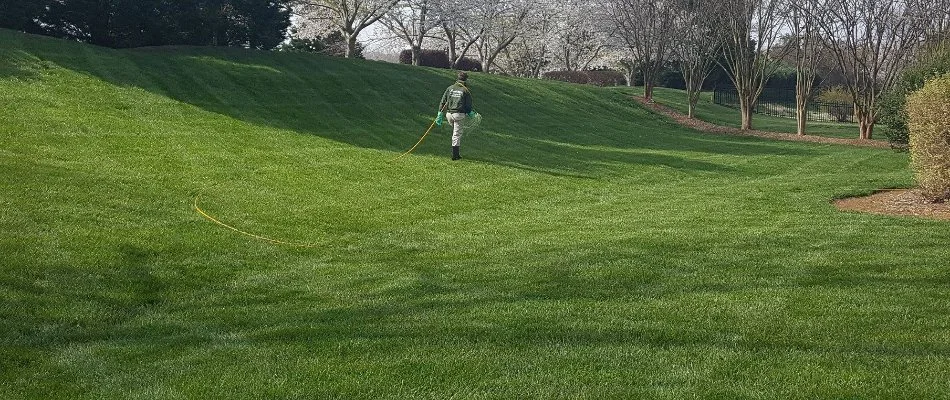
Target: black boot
<point x="455" y="153"/>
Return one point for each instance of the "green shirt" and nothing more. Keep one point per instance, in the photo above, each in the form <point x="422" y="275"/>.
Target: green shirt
<point x="457" y="99"/>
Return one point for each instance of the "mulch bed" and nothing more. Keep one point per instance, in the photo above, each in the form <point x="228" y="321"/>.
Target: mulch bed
<point x="894" y="202"/>
<point x="903" y="202"/>
<point x="707" y="127"/>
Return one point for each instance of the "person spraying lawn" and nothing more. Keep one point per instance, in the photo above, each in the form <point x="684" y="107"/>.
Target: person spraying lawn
<point x="455" y="107"/>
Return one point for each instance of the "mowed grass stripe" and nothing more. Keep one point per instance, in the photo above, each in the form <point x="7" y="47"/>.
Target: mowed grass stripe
<point x="583" y="247"/>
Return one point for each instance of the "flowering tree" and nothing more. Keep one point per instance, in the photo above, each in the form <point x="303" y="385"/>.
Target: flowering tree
<point x="349" y="17"/>
<point x="412" y="21"/>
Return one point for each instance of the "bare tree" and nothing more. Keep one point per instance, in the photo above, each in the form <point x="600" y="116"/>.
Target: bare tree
<point x="873" y="40"/>
<point x="646" y="27"/>
<point x="752" y="27"/>
<point x="806" y="43"/>
<point x="412" y="21"/>
<point x="696" y="46"/>
<point x="349" y="17"/>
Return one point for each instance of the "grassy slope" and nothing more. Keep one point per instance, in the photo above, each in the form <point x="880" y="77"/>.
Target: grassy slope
<point x="584" y="247"/>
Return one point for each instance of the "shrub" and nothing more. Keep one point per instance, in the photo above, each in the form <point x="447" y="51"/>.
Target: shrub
<point x="892" y="108"/>
<point x="840" y="104"/>
<point x="606" y="78"/>
<point x="893" y="113"/>
<point x="567" y="76"/>
<point x="427" y="58"/>
<point x="928" y="111"/>
<point x="469" y="64"/>
<point x="333" y="44"/>
<point x="440" y="59"/>
<point x="596" y="77"/>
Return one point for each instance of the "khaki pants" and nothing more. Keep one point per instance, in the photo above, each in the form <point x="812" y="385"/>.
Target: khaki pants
<point x="456" y="120"/>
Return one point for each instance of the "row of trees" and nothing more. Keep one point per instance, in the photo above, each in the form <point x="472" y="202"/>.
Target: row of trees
<point x="134" y="23"/>
<point x="868" y="41"/>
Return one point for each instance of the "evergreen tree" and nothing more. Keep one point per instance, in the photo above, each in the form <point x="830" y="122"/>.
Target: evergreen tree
<point x="21" y="15"/>
<point x="257" y="24"/>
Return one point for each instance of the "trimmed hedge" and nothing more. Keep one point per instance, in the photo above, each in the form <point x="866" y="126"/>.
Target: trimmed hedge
<point x="928" y="111"/>
<point x="439" y="59"/>
<point x="427" y="58"/>
<point x="469" y="64"/>
<point x="597" y="78"/>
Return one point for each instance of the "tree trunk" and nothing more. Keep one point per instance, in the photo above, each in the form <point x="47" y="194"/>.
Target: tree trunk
<point x="802" y="91"/>
<point x="745" y="109"/>
<point x="866" y="119"/>
<point x="450" y="37"/>
<point x="693" y="96"/>
<point x="648" y="81"/>
<point x="801" y="107"/>
<point x="746" y="119"/>
<point x="350" y="45"/>
<point x="416" y="53"/>
<point x="802" y="115"/>
<point x="866" y="125"/>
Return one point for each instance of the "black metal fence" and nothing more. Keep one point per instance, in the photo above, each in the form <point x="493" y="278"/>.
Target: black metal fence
<point x="781" y="103"/>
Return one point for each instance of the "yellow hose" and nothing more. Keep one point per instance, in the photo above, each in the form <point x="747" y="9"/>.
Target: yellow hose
<point x="266" y="239"/>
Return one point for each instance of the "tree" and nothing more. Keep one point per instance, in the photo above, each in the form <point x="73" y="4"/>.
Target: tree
<point x="696" y="47"/>
<point x="349" y="17"/>
<point x="411" y="21"/>
<point x="532" y="50"/>
<point x="499" y="23"/>
<point x="872" y="42"/>
<point x="646" y="27"/>
<point x="131" y="23"/>
<point x="751" y="28"/>
<point x="579" y="35"/>
<point x="113" y="23"/>
<point x="22" y="15"/>
<point x="806" y="44"/>
<point x="932" y="61"/>
<point x="460" y="31"/>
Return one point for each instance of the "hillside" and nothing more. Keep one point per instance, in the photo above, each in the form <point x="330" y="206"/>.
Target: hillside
<point x="583" y="248"/>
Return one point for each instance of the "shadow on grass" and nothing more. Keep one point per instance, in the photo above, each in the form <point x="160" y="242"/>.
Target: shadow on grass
<point x="13" y="64"/>
<point x="550" y="128"/>
<point x="136" y="304"/>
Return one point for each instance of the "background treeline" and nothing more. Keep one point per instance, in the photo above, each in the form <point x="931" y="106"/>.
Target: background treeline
<point x="133" y="23"/>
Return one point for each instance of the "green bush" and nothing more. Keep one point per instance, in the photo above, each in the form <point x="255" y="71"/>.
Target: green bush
<point x="928" y="111"/>
<point x="893" y="113"/>
<point x="333" y="44"/>
<point x="892" y="107"/>
<point x="839" y="103"/>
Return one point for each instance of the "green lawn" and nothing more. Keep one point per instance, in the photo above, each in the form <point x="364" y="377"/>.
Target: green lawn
<point x="583" y="248"/>
<point x="708" y="111"/>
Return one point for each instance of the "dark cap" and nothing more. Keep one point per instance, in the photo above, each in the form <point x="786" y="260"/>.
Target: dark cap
<point x="463" y="76"/>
